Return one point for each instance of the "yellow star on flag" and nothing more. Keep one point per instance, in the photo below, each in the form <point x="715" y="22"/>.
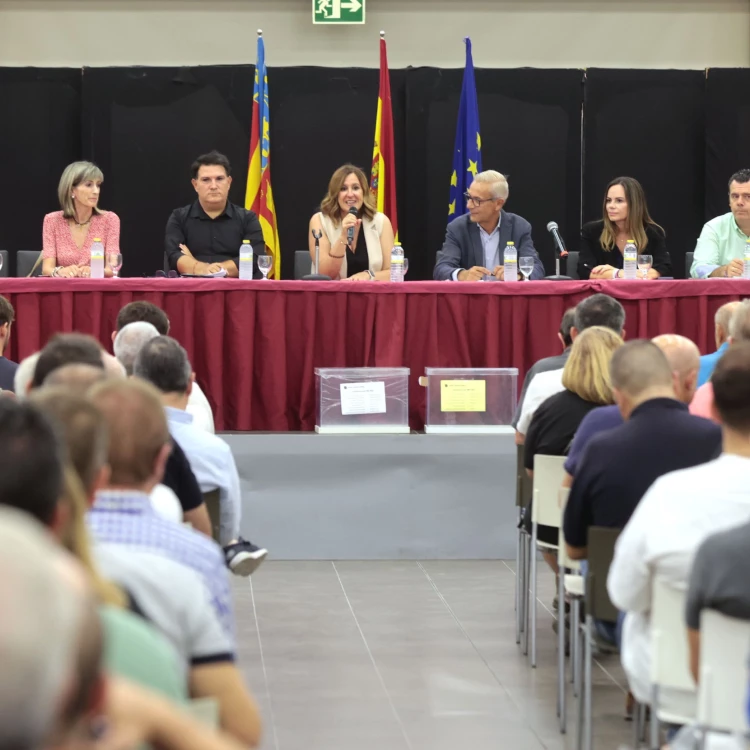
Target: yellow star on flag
<point x="479" y="142"/>
<point x="454" y="179"/>
<point x="452" y="206"/>
<point x="472" y="167"/>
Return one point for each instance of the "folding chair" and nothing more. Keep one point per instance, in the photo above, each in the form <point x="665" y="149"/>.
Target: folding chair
<point x="670" y="656"/>
<point x="722" y="690"/>
<point x="601" y="550"/>
<point x="545" y="510"/>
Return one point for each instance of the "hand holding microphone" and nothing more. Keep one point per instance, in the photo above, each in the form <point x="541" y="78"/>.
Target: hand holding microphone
<point x="350" y="223"/>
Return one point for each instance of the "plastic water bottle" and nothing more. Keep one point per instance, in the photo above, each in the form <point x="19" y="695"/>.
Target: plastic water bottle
<point x="97" y="259"/>
<point x="397" y="263"/>
<point x="246" y="260"/>
<point x="510" y="262"/>
<point x="630" y="260"/>
<point x="746" y="261"/>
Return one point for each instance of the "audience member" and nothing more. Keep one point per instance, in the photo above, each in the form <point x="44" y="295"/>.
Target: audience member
<point x="129" y="340"/>
<point x="164" y="363"/>
<point x="678" y="512"/>
<point x="721" y="335"/>
<point x="549" y="363"/>
<point x="75" y="377"/>
<point x="147" y="312"/>
<point x="683" y="358"/>
<point x="739" y="331"/>
<point x="24" y="375"/>
<point x="597" y="310"/>
<point x="7" y="368"/>
<point x="64" y="349"/>
<point x="177" y="576"/>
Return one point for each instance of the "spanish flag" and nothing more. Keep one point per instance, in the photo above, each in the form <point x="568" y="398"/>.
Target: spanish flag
<point x="383" y="174"/>
<point x="259" y="196"/>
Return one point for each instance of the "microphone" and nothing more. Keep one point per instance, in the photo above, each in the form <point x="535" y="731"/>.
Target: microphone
<point x="560" y="251"/>
<point x="350" y="231"/>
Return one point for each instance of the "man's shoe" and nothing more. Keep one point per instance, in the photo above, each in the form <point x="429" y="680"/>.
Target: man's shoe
<point x="243" y="557"/>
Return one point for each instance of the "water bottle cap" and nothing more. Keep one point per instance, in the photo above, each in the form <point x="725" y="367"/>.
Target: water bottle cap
<point x="245" y="242"/>
<point x="631" y="242"/>
<point x="510" y="243"/>
<point x="97" y="239"/>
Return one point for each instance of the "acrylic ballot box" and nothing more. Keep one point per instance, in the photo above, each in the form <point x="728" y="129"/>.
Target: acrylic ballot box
<point x="472" y="401"/>
<point x="362" y="400"/>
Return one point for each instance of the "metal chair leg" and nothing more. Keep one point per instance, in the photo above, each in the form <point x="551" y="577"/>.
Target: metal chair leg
<point x="654" y="726"/>
<point x="575" y="648"/>
<point x="518" y="586"/>
<point x="525" y="621"/>
<point x="561" y="650"/>
<point x="588" y="686"/>
<point x="532" y="598"/>
<point x="577" y="689"/>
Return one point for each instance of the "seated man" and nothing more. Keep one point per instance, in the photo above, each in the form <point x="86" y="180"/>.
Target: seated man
<point x="658" y="427"/>
<point x="739" y="331"/>
<point x="164" y="363"/>
<point x="475" y="242"/>
<point x="721" y="247"/>
<point x="549" y="363"/>
<point x="597" y="310"/>
<point x="721" y="334"/>
<point x="677" y="513"/>
<point x="177" y="576"/>
<point x="205" y="237"/>
<point x="7" y="368"/>
<point x="65" y="349"/>
<point x="146" y="312"/>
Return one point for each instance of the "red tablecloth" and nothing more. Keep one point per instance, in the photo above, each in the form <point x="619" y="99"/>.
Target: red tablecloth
<point x="254" y="344"/>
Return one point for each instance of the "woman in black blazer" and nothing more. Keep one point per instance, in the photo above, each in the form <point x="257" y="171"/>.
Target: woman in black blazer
<point x="626" y="218"/>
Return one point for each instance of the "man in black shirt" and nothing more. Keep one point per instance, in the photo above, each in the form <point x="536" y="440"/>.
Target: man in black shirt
<point x="205" y="236"/>
<point x="619" y="465"/>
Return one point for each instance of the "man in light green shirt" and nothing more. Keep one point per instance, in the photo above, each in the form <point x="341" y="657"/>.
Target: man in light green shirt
<point x="721" y="247"/>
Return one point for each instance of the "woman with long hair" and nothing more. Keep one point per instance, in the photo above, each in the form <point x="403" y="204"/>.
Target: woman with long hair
<point x="349" y="205"/>
<point x="625" y="217"/>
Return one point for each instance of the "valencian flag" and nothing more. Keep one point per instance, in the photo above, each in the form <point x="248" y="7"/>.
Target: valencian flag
<point x="467" y="152"/>
<point x="259" y="196"/>
<point x="383" y="174"/>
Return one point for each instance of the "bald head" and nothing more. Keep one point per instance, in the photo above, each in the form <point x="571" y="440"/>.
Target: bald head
<point x="639" y="366"/>
<point x="722" y="320"/>
<point x="684" y="360"/>
<point x="130" y="340"/>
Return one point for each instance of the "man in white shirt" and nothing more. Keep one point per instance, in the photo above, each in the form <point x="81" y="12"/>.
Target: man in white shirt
<point x="597" y="310"/>
<point x="146" y="312"/>
<point x="674" y="517"/>
<point x="164" y="363"/>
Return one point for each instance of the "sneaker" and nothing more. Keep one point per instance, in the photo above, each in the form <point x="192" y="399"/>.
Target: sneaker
<point x="243" y="557"/>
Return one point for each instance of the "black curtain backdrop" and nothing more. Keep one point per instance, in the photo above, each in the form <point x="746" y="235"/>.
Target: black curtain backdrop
<point x="727" y="133"/>
<point x="649" y="124"/>
<point x="40" y="133"/>
<point x="679" y="132"/>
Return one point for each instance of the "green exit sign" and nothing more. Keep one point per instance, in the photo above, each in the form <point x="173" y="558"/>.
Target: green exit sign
<point x="338" y="11"/>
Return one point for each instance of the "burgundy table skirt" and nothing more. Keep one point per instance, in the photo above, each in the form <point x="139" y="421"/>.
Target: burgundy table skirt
<point x="254" y="344"/>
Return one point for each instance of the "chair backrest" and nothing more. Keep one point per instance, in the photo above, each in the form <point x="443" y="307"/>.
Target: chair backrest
<point x="302" y="263"/>
<point x="563" y="560"/>
<point x="166" y="267"/>
<point x="688" y="264"/>
<point x="571" y="264"/>
<point x="4" y="271"/>
<point x="600" y="551"/>
<point x="25" y="260"/>
<point x="212" y="500"/>
<point x="670" y="655"/>
<point x="523" y="480"/>
<point x="722" y="691"/>
<point x="548" y="476"/>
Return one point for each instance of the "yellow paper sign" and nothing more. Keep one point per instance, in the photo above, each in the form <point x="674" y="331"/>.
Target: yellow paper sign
<point x="463" y="395"/>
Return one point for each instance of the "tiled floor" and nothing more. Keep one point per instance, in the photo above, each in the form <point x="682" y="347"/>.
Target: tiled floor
<point x="406" y="656"/>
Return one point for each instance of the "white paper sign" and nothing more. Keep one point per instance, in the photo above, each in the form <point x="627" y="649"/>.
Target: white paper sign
<point x="363" y="398"/>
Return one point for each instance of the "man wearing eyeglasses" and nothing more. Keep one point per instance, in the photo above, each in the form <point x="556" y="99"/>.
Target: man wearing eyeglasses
<point x="475" y="242"/>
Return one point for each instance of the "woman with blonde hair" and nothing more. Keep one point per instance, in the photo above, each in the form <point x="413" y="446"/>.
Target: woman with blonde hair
<point x="625" y="217"/>
<point x="67" y="235"/>
<point x="349" y="205"/>
<point x="586" y="385"/>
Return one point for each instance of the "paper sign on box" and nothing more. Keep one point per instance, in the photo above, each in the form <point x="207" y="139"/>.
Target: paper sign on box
<point x="463" y="395"/>
<point x="362" y="398"/>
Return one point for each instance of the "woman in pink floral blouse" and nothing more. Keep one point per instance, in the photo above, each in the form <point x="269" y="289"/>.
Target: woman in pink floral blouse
<point x="69" y="234"/>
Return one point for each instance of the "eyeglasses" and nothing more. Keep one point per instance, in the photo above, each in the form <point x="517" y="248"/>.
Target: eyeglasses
<point x="164" y="275"/>
<point x="476" y="201"/>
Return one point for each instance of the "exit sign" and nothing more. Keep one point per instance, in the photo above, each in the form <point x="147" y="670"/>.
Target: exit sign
<point x="338" y="11"/>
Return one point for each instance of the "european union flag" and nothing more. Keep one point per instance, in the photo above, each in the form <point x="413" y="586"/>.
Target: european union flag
<point x="467" y="153"/>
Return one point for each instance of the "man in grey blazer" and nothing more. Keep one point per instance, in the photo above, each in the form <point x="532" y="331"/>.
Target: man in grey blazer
<point x="475" y="243"/>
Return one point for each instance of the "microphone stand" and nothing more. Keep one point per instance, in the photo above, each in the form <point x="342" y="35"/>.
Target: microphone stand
<point x="316" y="276"/>
<point x="557" y="276"/>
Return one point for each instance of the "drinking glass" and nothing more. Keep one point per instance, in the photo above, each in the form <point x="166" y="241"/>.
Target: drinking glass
<point x="406" y="265"/>
<point x="526" y="266"/>
<point x="115" y="263"/>
<point x="264" y="264"/>
<point x="1" y="262"/>
<point x="644" y="264"/>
